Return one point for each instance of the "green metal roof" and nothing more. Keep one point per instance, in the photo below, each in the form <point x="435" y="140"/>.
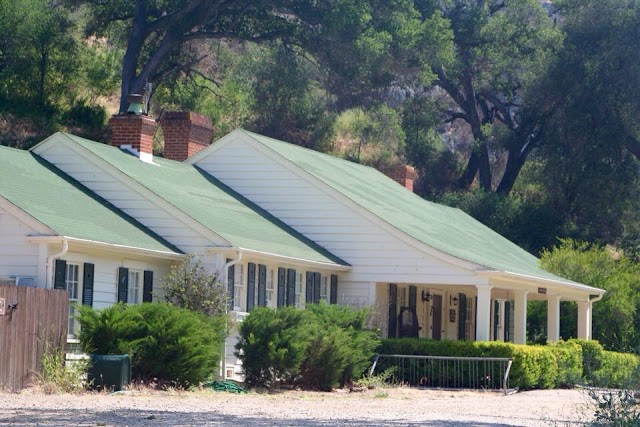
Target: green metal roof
<point x="68" y="208"/>
<point x="444" y="228"/>
<point x="213" y="204"/>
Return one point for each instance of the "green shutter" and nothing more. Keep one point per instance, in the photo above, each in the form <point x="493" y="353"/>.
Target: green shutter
<point x="393" y="313"/>
<point x="333" y="298"/>
<point x="262" y="285"/>
<point x="462" y="316"/>
<point x="317" y="283"/>
<point x="308" y="295"/>
<point x="231" y="285"/>
<point x="123" y="284"/>
<point x="87" y="284"/>
<point x="147" y="289"/>
<point x="251" y="286"/>
<point x="291" y="287"/>
<point x="507" y="321"/>
<point x="282" y="287"/>
<point x="60" y="276"/>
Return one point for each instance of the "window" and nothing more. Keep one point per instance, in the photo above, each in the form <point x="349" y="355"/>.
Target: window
<point x="324" y="289"/>
<point x="73" y="287"/>
<point x="135" y="289"/>
<point x="300" y="292"/>
<point x="271" y="301"/>
<point x="237" y="289"/>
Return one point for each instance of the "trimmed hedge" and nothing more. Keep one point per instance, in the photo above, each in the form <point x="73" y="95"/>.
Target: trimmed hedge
<point x="561" y="364"/>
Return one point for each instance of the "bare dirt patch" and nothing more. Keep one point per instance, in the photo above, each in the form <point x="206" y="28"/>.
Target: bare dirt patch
<point x="380" y="407"/>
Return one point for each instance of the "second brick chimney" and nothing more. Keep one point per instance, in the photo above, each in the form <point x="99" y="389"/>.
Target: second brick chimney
<point x="185" y="134"/>
<point x="404" y="175"/>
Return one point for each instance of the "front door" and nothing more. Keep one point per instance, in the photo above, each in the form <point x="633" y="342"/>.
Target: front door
<point x="436" y="317"/>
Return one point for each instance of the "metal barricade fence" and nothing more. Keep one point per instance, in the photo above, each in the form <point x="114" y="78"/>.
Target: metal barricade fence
<point x="481" y="373"/>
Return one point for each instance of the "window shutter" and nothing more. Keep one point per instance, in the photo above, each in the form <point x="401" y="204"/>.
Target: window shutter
<point x="60" y="276"/>
<point x="393" y="307"/>
<point x="317" y="282"/>
<point x="251" y="286"/>
<point x="507" y="321"/>
<point x="291" y="287"/>
<point x="496" y="318"/>
<point x="308" y="295"/>
<point x="87" y="284"/>
<point x="231" y="288"/>
<point x="333" y="298"/>
<point x="413" y="297"/>
<point x="147" y="287"/>
<point x="123" y="284"/>
<point x="462" y="316"/>
<point x="262" y="285"/>
<point x="282" y="287"/>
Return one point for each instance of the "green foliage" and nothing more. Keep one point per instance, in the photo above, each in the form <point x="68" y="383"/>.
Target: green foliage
<point x="615" y="408"/>
<point x="374" y="137"/>
<point x="273" y="344"/>
<point x="189" y="286"/>
<point x="561" y="364"/>
<point x="382" y="379"/>
<point x="614" y="317"/>
<point x="165" y="342"/>
<point x="60" y="377"/>
<point x="320" y="347"/>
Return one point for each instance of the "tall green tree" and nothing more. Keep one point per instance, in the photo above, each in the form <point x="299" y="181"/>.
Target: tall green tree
<point x="500" y="51"/>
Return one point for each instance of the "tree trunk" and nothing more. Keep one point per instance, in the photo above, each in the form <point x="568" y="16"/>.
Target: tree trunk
<point x="132" y="55"/>
<point x="469" y="174"/>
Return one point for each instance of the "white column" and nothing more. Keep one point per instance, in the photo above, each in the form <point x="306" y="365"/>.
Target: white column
<point x="553" y="318"/>
<point x="520" y="317"/>
<point x="483" y="310"/>
<point x="584" y="320"/>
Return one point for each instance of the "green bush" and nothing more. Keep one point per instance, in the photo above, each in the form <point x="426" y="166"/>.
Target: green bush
<point x="320" y="347"/>
<point x="273" y="344"/>
<point x="165" y="342"/>
<point x="569" y="359"/>
<point x="618" y="370"/>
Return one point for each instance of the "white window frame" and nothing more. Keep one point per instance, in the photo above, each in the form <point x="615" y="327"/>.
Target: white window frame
<point x="74" y="286"/>
<point x="134" y="292"/>
<point x="300" y="284"/>
<point x="271" y="300"/>
<point x="238" y="288"/>
<point x="324" y="288"/>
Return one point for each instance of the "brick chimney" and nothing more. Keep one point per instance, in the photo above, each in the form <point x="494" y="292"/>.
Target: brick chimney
<point x="404" y="175"/>
<point x="185" y="134"/>
<point x="134" y="132"/>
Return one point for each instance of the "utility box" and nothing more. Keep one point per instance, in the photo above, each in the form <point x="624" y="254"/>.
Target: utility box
<point x="112" y="371"/>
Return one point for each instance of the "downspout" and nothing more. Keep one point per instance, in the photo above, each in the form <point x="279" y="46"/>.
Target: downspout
<point x="51" y="259"/>
<point x="596" y="299"/>
<point x="225" y="272"/>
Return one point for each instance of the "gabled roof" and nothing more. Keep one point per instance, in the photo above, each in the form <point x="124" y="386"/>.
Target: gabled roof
<point x="65" y="206"/>
<point x="447" y="229"/>
<point x="212" y="204"/>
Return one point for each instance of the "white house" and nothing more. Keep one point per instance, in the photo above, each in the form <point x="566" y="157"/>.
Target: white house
<point x="280" y="224"/>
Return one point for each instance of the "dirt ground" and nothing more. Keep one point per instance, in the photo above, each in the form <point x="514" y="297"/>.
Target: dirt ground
<point x="379" y="407"/>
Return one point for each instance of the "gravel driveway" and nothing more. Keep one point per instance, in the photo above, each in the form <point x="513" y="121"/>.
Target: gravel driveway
<point x="388" y="407"/>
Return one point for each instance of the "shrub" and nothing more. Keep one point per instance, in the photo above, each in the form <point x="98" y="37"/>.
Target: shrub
<point x="320" y="347"/>
<point x="569" y="360"/>
<point x="165" y="342"/>
<point x="618" y="370"/>
<point x="60" y="377"/>
<point x="188" y="285"/>
<point x="273" y="344"/>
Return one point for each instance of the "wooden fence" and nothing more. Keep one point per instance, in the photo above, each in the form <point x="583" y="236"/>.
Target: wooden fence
<point x="38" y="322"/>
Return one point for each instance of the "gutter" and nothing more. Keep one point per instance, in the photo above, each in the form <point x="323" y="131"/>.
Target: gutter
<point x="293" y="260"/>
<point x="50" y="261"/>
<point x="525" y="277"/>
<point x="103" y="245"/>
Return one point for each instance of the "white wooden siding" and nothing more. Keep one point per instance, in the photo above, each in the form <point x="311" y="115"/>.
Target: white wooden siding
<point x="375" y="254"/>
<point x="18" y="257"/>
<point x="126" y="198"/>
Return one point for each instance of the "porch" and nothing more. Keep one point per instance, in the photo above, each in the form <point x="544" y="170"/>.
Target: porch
<point x="489" y="312"/>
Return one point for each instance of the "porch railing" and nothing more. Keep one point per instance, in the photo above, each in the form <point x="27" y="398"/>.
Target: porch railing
<point x="479" y="373"/>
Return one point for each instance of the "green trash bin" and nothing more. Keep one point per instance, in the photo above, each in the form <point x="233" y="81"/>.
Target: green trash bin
<point x="112" y="371"/>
